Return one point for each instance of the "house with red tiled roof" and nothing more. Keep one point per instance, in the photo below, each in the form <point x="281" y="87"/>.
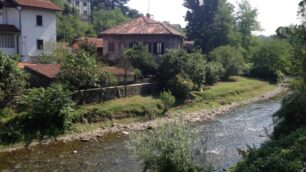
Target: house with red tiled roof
<point x="26" y="26"/>
<point x="157" y="36"/>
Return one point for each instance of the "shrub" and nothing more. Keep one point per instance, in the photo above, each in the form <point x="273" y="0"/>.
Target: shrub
<point x="181" y="86"/>
<point x="167" y="148"/>
<point x="141" y="59"/>
<point x="272" y="60"/>
<point x="231" y="59"/>
<point x="167" y="99"/>
<point x="12" y="80"/>
<point x="292" y="115"/>
<point x="47" y="111"/>
<point x="213" y="71"/>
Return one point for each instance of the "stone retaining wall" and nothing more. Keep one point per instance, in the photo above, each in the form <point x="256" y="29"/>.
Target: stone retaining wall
<point x="97" y="95"/>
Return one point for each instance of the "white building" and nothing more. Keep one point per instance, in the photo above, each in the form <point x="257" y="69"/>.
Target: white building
<point x="26" y="26"/>
<point x="84" y="7"/>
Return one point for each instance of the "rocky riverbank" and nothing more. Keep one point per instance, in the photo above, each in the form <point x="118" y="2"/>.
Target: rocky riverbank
<point x="200" y="116"/>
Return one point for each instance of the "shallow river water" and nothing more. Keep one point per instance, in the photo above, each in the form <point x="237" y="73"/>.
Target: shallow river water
<point x="216" y="144"/>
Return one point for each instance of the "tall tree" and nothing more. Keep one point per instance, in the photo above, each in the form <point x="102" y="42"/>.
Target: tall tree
<point x="246" y="22"/>
<point x="210" y="23"/>
<point x="302" y="10"/>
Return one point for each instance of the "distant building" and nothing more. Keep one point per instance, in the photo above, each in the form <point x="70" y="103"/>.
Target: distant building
<point x="26" y="26"/>
<point x="145" y="31"/>
<point x="84" y="7"/>
<point x="96" y="42"/>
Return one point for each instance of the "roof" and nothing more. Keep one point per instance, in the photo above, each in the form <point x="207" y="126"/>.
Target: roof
<point x="142" y="26"/>
<point x="48" y="70"/>
<point x="116" y="70"/>
<point x="97" y="42"/>
<point x="8" y="28"/>
<point x="44" y="4"/>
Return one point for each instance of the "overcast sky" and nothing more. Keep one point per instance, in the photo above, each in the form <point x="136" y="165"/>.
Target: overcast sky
<point x="272" y="13"/>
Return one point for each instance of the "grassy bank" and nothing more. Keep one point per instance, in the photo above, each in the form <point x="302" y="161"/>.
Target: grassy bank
<point x="139" y="108"/>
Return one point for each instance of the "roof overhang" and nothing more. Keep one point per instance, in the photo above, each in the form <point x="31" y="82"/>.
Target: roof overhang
<point x="8" y="28"/>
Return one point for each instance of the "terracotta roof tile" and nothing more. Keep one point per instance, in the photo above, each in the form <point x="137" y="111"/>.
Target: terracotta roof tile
<point x="142" y="26"/>
<point x="48" y="70"/>
<point x="8" y="28"/>
<point x="98" y="42"/>
<point x="44" y="4"/>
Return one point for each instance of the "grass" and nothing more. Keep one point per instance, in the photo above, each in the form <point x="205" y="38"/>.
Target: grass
<point x="223" y="93"/>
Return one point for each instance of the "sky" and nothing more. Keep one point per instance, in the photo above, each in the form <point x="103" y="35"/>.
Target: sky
<point x="271" y="13"/>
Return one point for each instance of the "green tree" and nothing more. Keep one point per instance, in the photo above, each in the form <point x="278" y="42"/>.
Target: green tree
<point x="213" y="72"/>
<point x="141" y="59"/>
<point x="12" y="80"/>
<point x="48" y="112"/>
<point x="104" y="19"/>
<point x="231" y="59"/>
<point x="167" y="148"/>
<point x="79" y="72"/>
<point x="272" y="60"/>
<point x="210" y="23"/>
<point x="246" y="19"/>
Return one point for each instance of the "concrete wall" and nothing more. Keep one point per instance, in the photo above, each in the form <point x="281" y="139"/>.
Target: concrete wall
<point x="122" y="42"/>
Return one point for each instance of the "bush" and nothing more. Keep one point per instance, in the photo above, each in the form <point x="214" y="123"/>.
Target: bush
<point x="284" y="154"/>
<point x="292" y="115"/>
<point x="47" y="111"/>
<point x="166" y="149"/>
<point x="167" y="99"/>
<point x="213" y="71"/>
<point x="141" y="59"/>
<point x="12" y="80"/>
<point x="231" y="59"/>
<point x="272" y="60"/>
<point x="181" y="86"/>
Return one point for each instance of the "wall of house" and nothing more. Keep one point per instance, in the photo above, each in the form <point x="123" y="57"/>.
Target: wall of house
<point x="122" y="42"/>
<point x="30" y="32"/>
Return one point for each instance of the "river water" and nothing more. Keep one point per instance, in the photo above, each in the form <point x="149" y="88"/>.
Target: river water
<point x="216" y="144"/>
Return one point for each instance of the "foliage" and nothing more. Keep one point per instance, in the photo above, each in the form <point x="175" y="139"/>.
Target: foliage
<point x="180" y="71"/>
<point x="272" y="60"/>
<point x="292" y="114"/>
<point x="284" y="154"/>
<point x="246" y="22"/>
<point x="70" y="26"/>
<point x="88" y="47"/>
<point x="231" y="59"/>
<point x="79" y="71"/>
<point x="12" y="80"/>
<point x="210" y="23"/>
<point x="167" y="99"/>
<point x="167" y="148"/>
<point x="141" y="59"/>
<point x="55" y="103"/>
<point x="213" y="72"/>
<point x="104" y="19"/>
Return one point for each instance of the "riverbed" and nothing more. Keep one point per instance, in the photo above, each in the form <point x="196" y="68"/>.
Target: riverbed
<point x="216" y="145"/>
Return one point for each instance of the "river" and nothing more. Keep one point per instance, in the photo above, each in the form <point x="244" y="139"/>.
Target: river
<point x="216" y="144"/>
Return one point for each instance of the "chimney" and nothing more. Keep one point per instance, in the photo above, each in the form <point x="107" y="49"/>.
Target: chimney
<point x="148" y="15"/>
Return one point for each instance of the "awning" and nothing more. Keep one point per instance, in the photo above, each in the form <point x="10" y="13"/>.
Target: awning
<point x="8" y="28"/>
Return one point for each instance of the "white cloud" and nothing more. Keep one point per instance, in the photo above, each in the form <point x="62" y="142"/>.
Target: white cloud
<point x="272" y="13"/>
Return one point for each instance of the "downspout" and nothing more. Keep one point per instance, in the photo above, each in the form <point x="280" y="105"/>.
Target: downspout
<point x="19" y="9"/>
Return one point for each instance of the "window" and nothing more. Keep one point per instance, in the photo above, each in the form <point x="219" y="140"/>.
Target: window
<point x="85" y="13"/>
<point x="133" y="44"/>
<point x="111" y="47"/>
<point x="7" y="40"/>
<point x="85" y="4"/>
<point x="158" y="48"/>
<point x="77" y="3"/>
<point x="39" y="20"/>
<point x="148" y="45"/>
<point x="40" y="44"/>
